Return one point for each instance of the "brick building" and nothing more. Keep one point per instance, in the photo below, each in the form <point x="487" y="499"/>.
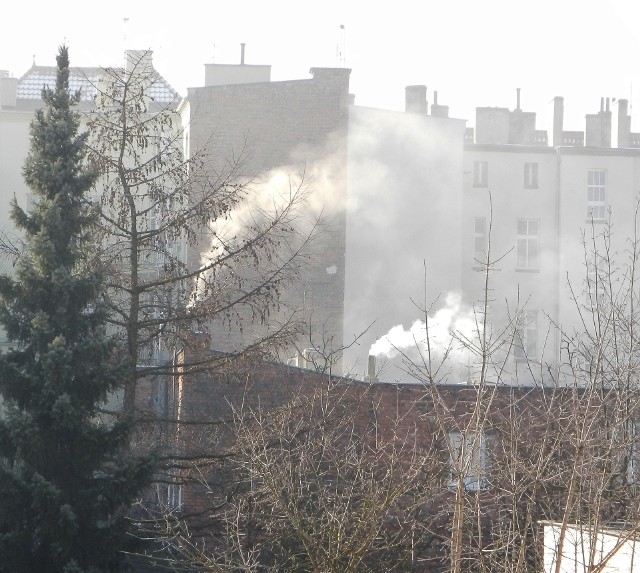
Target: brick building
<point x="492" y="455"/>
<point x="281" y="135"/>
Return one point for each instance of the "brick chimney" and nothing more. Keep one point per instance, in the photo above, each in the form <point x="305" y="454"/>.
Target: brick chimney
<point x="415" y="99"/>
<point x="558" y="120"/>
<point x="438" y="110"/>
<point x="8" y="90"/>
<point x="371" y="370"/>
<point x="598" y="126"/>
<point x="624" y="124"/>
<point x="140" y="61"/>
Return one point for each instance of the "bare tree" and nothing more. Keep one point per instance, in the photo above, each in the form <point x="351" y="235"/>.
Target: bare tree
<point x="329" y="482"/>
<point x="177" y="254"/>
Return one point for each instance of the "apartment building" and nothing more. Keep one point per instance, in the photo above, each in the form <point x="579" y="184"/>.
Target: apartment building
<point x="554" y="217"/>
<point x="411" y="207"/>
<point x="21" y="97"/>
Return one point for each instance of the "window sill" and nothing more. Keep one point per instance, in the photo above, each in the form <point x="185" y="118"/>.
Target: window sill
<point x="596" y="221"/>
<point x="527" y="270"/>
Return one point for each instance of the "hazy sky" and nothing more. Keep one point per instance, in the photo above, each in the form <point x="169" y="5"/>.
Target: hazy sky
<point x="474" y="53"/>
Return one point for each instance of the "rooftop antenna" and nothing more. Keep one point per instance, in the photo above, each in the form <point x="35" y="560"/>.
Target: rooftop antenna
<point x="341" y="47"/>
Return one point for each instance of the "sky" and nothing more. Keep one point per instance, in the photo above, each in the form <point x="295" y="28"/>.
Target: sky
<point x="472" y="53"/>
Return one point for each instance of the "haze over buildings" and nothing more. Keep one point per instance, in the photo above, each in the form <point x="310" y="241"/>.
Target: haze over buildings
<point x="408" y="198"/>
<point x="474" y="53"/>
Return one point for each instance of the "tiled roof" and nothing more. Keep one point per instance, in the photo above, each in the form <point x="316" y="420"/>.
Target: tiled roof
<point x="84" y="79"/>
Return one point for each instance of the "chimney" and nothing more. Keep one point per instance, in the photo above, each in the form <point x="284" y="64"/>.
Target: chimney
<point x="139" y="61"/>
<point x="8" y="90"/>
<point x="416" y="99"/>
<point x="371" y="370"/>
<point x="605" y="122"/>
<point x="598" y="129"/>
<point x="624" y="124"/>
<point x="517" y="98"/>
<point x="242" y="46"/>
<point x="438" y="110"/>
<point x="558" y="120"/>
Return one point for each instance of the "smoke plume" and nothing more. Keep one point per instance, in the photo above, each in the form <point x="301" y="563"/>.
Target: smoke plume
<point x="451" y="329"/>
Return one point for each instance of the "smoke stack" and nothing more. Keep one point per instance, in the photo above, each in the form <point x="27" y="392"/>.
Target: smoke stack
<point x="558" y="120"/>
<point x="242" y="45"/>
<point x="371" y="369"/>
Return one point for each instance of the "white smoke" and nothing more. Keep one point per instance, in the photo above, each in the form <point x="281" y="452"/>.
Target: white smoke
<point x="452" y="329"/>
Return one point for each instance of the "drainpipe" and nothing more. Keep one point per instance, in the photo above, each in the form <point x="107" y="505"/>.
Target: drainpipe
<point x="558" y="246"/>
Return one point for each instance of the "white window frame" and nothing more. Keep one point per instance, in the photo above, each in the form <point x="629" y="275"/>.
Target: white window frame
<point x="480" y="173"/>
<point x="469" y="459"/>
<point x="531" y="175"/>
<point x="528" y="244"/>
<point x="174" y="497"/>
<point x="480" y="241"/>
<point x="597" y="194"/>
<point x="526" y="336"/>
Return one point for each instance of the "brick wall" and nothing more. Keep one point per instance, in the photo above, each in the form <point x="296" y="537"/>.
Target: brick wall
<point x="300" y="126"/>
<point x="411" y="417"/>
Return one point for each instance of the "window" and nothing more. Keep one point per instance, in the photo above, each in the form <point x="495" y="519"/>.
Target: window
<point x="597" y="194"/>
<point x="526" y="336"/>
<point x="469" y="460"/>
<point x="530" y="175"/>
<point x="480" y="174"/>
<point x="170" y="495"/>
<point x="528" y="244"/>
<point x="480" y="241"/>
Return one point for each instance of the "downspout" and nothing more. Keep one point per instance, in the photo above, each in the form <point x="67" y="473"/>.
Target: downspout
<point x="558" y="247"/>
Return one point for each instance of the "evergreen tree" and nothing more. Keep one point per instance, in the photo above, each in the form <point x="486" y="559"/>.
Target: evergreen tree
<point x="65" y="482"/>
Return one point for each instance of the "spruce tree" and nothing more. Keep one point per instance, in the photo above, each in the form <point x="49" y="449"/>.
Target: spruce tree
<point x="65" y="481"/>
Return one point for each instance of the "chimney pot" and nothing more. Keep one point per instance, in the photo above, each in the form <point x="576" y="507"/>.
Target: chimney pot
<point x="242" y="46"/>
<point x="517" y="98"/>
